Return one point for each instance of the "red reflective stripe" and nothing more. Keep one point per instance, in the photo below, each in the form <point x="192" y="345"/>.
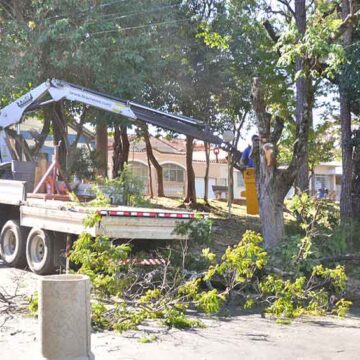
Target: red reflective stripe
<point x="145" y="262"/>
<point x="149" y="214"/>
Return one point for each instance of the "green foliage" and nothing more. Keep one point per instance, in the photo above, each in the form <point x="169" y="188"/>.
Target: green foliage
<point x="99" y="321"/>
<point x="213" y="39"/>
<point x="33" y="305"/>
<point x="83" y="164"/>
<point x="100" y="259"/>
<point x="189" y="288"/>
<point x="147" y="339"/>
<point x="241" y="267"/>
<point x="92" y="219"/>
<point x="315" y="223"/>
<point x="207" y="254"/>
<point x="321" y="144"/>
<point x="150" y="296"/>
<point x="314" y="215"/>
<point x="210" y="302"/>
<point x="302" y="296"/>
<point x="131" y="301"/>
<point x="126" y="189"/>
<point x="342" y="307"/>
<point x="315" y="44"/>
<point x="177" y="319"/>
<point x="198" y="230"/>
<point x="240" y="263"/>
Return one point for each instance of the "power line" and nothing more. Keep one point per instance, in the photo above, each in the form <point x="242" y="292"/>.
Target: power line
<point x="158" y="8"/>
<point x="113" y="2"/>
<point x="132" y="13"/>
<point x="140" y="26"/>
<point x="89" y="34"/>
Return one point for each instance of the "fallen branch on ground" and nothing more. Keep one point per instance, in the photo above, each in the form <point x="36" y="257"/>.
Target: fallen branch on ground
<point x="344" y="257"/>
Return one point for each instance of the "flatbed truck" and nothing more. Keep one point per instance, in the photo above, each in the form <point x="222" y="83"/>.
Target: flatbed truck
<point x="35" y="230"/>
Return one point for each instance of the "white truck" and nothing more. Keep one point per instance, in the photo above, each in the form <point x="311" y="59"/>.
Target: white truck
<point x="36" y="230"/>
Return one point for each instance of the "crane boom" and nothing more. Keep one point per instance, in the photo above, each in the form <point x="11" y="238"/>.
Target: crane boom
<point x="59" y="90"/>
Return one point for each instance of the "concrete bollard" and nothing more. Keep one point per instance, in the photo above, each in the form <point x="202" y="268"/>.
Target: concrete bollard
<point x="64" y="317"/>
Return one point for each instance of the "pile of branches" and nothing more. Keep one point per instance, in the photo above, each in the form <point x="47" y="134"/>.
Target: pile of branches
<point x="127" y="296"/>
<point x="9" y="305"/>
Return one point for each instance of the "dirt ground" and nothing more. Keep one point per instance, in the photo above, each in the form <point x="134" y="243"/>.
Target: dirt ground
<point x="238" y="337"/>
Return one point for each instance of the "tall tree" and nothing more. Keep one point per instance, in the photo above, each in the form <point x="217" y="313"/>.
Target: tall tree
<point x="190" y="195"/>
<point x="121" y="148"/>
<point x="71" y="40"/>
<point x="306" y="48"/>
<point x="346" y="132"/>
<point x="153" y="160"/>
<point x="304" y="91"/>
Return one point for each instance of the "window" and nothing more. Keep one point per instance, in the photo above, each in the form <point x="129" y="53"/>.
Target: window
<point x="139" y="170"/>
<point x="322" y="182"/>
<point x="173" y="173"/>
<point x="222" y="182"/>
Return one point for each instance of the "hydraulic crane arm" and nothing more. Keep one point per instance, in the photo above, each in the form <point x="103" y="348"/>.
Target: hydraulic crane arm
<point x="60" y="90"/>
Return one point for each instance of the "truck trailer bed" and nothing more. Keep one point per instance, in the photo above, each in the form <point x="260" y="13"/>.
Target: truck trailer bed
<point x="120" y="222"/>
<point x="117" y="222"/>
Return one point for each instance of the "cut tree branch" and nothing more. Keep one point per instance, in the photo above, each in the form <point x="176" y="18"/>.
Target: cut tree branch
<point x="345" y="257"/>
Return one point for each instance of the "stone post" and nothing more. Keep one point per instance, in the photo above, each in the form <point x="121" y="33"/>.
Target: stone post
<point x="64" y="317"/>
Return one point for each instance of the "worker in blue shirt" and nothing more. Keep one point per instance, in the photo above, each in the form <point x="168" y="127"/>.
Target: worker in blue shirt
<point x="246" y="159"/>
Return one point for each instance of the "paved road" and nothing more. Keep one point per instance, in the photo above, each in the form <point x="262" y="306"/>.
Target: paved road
<point x="240" y="337"/>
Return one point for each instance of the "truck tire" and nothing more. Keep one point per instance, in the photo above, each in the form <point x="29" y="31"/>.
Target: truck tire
<point x="13" y="244"/>
<point x="40" y="252"/>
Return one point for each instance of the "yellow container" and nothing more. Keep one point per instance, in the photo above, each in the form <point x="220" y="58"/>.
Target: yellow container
<point x="252" y="205"/>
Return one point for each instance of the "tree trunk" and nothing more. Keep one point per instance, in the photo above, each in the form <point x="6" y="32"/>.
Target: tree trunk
<point x="121" y="148"/>
<point x="207" y="169"/>
<point x="271" y="190"/>
<point x="303" y="85"/>
<point x="347" y="164"/>
<point x="273" y="184"/>
<point x="73" y="146"/>
<point x="345" y="118"/>
<point x="271" y="209"/>
<point x="157" y="166"/>
<point x="231" y="182"/>
<point x="312" y="181"/>
<point x="60" y="134"/>
<point x="151" y="191"/>
<point x="190" y="196"/>
<point x="101" y="149"/>
<point x="355" y="188"/>
<point x="44" y="132"/>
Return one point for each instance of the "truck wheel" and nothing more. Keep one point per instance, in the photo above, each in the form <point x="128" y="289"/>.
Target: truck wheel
<point x="40" y="252"/>
<point x="13" y="244"/>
